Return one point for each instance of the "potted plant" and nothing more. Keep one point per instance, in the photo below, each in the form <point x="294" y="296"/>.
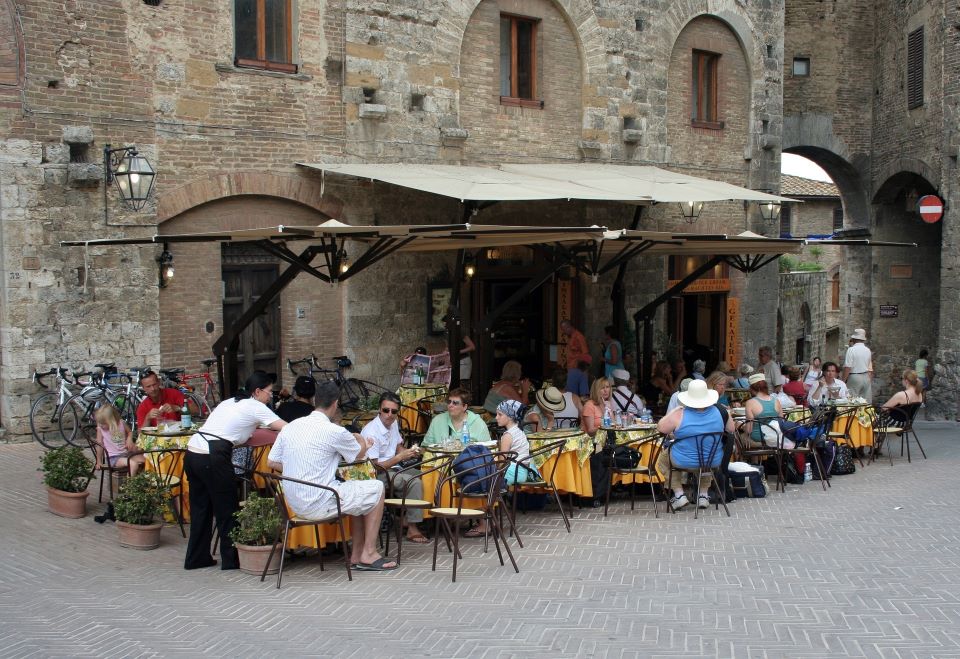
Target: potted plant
<point x="136" y="507"/>
<point x="66" y="473"/>
<point x="257" y="524"/>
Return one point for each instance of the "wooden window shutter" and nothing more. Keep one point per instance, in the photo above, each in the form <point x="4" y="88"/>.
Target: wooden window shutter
<point x="837" y="219"/>
<point x="915" y="68"/>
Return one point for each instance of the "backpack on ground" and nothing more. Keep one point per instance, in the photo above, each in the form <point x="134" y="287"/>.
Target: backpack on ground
<point x="480" y="461"/>
<point x="843" y="462"/>
<point x="791" y="474"/>
<point x="752" y="482"/>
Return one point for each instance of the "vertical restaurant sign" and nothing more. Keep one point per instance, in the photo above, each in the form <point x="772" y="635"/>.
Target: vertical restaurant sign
<point x="733" y="331"/>
<point x="564" y="310"/>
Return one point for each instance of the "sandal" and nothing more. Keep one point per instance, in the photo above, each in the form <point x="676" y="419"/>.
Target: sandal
<point x="418" y="539"/>
<point x="379" y="565"/>
<point x="475" y="532"/>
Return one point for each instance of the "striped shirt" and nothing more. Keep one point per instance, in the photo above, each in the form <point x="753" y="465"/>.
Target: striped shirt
<point x="310" y="449"/>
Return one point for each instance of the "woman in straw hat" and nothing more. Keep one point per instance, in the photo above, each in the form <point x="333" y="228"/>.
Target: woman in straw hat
<point x="542" y="415"/>
<point x="698" y="414"/>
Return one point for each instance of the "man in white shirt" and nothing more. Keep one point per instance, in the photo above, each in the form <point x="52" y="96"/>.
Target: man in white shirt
<point x="387" y="451"/>
<point x="310" y="449"/>
<point x="828" y="380"/>
<point x="623" y="399"/>
<point x="858" y="366"/>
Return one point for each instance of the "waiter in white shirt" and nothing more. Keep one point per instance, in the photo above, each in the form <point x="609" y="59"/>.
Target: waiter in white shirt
<point x="858" y="366"/>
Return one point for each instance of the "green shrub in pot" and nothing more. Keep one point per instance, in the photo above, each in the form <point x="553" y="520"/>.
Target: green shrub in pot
<point x="257" y="522"/>
<point x="66" y="469"/>
<point x="140" y="500"/>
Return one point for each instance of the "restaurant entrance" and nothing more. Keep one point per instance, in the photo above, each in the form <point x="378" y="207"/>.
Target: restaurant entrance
<point x="697" y="319"/>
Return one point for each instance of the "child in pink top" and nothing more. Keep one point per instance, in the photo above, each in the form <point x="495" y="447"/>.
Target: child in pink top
<point x="116" y="440"/>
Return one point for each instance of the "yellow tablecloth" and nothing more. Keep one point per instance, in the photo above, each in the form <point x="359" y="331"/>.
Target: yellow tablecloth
<point x="646" y="451"/>
<point x="861" y="431"/>
<point x="446" y="499"/>
<point x="572" y="473"/>
<point x="409" y="395"/>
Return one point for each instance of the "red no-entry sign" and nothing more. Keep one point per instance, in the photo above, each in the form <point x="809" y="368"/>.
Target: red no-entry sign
<point x="931" y="208"/>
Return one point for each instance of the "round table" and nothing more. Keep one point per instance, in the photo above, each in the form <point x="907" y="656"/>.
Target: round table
<point x="636" y="433"/>
<point x="861" y="430"/>
<point x="409" y="395"/>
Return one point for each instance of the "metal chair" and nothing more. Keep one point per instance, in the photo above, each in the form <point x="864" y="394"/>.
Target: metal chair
<point x="439" y="463"/>
<point x="492" y="482"/>
<point x="543" y="483"/>
<point x="275" y="484"/>
<point x="816" y="426"/>
<point x="895" y="421"/>
<point x="709" y="452"/>
<point x="101" y="460"/>
<point x="567" y="421"/>
<point x="846" y="417"/>
<point x="167" y="464"/>
<point x="744" y="450"/>
<point x="646" y="468"/>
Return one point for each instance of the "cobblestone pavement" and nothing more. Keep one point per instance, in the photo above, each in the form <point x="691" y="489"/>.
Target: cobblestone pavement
<point x="870" y="568"/>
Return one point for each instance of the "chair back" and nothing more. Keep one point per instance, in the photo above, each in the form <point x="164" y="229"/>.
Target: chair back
<point x="437" y="464"/>
<point x="485" y="480"/>
<point x="275" y="486"/>
<point x="911" y="410"/>
<point x="697" y="451"/>
<point x="567" y="421"/>
<point x="166" y="463"/>
<point x="529" y="462"/>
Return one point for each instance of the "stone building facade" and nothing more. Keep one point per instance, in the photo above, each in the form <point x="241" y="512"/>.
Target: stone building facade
<point x="402" y="81"/>
<point x="870" y="94"/>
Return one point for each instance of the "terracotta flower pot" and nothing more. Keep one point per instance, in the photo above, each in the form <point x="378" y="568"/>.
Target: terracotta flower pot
<point x="139" y="536"/>
<point x="253" y="558"/>
<point x="67" y="504"/>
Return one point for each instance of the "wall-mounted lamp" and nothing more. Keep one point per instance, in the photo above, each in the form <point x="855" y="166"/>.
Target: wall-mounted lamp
<point x="469" y="265"/>
<point x="166" y="266"/>
<point x="770" y="210"/>
<point x="133" y="175"/>
<point x="691" y="210"/>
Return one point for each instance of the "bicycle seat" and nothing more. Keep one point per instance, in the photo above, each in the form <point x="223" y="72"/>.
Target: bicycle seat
<point x="61" y="371"/>
<point x="137" y="370"/>
<point x="208" y="362"/>
<point x="106" y="366"/>
<point x="170" y="372"/>
<point x="343" y="361"/>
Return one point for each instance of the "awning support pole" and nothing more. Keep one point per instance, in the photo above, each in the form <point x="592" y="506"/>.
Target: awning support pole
<point x="454" y="316"/>
<point x="649" y="311"/>
<point x="618" y="296"/>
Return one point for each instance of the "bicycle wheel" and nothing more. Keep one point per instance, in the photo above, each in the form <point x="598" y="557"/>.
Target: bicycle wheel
<point x="202" y="405"/>
<point x="45" y="420"/>
<point x="211" y="396"/>
<point x="353" y="394"/>
<point x="77" y="421"/>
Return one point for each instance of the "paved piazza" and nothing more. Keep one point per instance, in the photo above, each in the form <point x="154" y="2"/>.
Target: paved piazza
<point x="870" y="568"/>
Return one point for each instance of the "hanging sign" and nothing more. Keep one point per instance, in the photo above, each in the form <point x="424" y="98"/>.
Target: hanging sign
<point x="930" y="207"/>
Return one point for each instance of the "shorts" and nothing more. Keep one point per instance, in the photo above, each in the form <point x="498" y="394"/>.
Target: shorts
<point x="517" y="475"/>
<point x="114" y="459"/>
<point x="357" y="497"/>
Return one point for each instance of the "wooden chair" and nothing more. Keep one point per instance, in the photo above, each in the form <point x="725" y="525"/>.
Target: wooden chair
<point x="646" y="468"/>
<point x="709" y="451"/>
<point x="401" y="504"/>
<point x="275" y="484"/>
<point x="167" y="464"/>
<point x="493" y="484"/>
<point x="540" y="483"/>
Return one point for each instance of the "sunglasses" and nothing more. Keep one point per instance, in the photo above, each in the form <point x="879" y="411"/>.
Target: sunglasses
<point x="454" y="402"/>
<point x="387" y="410"/>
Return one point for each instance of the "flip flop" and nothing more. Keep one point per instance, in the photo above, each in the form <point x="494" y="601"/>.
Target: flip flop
<point x="473" y="533"/>
<point x="378" y="565"/>
<point x="418" y="539"/>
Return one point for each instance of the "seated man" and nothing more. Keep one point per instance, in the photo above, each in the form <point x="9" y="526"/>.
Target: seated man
<point x="304" y="389"/>
<point x="623" y="398"/>
<point x="159" y="403"/>
<point x="698" y="414"/>
<point x="451" y="422"/>
<point x="310" y="449"/>
<point x="828" y="387"/>
<point x="388" y="452"/>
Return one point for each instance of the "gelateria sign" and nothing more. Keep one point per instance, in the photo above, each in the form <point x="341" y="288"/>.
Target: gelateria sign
<point x="705" y="285"/>
<point x="733" y="332"/>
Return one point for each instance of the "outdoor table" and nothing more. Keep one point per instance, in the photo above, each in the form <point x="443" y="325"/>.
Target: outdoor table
<point x="639" y="432"/>
<point x="861" y="431"/>
<point x="446" y="499"/>
<point x="573" y="464"/>
<point x="738" y="395"/>
<point x="409" y="395"/>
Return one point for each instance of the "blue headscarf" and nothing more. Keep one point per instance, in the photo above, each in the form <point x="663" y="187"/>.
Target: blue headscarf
<point x="512" y="409"/>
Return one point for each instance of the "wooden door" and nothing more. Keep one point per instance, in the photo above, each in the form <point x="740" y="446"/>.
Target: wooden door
<point x="260" y="342"/>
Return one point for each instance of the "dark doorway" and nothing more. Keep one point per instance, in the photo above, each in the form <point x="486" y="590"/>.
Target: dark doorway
<point x="697" y="324"/>
<point x="518" y="333"/>
<point x="243" y="283"/>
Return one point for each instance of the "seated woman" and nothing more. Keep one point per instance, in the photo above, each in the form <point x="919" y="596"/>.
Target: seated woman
<point x="509" y="414"/>
<point x="592" y="416"/>
<point x="743" y="382"/>
<point x="510" y="386"/>
<point x="698" y="414"/>
<point x="451" y="423"/>
<point x="762" y="408"/>
<point x="717" y="381"/>
<point x="542" y="415"/>
<point x="912" y="391"/>
<point x="828" y="387"/>
<point x="794" y="387"/>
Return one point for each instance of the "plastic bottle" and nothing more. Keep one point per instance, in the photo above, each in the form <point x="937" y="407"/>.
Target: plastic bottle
<point x="185" y="421"/>
<point x="606" y="417"/>
<point x="807" y="474"/>
<point x="618" y="419"/>
<point x="465" y="434"/>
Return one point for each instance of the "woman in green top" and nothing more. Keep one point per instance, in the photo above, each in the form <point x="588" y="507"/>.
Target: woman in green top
<point x="450" y="423"/>
<point x="923" y="369"/>
<point x="762" y="407"/>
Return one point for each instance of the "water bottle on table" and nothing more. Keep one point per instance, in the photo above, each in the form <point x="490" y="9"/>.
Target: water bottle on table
<point x="606" y="417"/>
<point x="185" y="421"/>
<point x="465" y="434"/>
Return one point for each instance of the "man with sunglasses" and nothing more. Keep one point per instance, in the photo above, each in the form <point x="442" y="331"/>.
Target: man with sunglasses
<point x="387" y="451"/>
<point x="450" y="423"/>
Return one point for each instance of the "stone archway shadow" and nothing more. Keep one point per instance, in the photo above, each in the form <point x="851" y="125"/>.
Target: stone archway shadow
<point x="856" y="199"/>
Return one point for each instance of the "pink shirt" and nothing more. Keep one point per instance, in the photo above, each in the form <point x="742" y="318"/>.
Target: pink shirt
<point x="111" y="445"/>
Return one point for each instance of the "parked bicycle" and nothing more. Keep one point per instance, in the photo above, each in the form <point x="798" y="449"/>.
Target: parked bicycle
<point x="46" y="411"/>
<point x="353" y="392"/>
<point x="122" y="390"/>
<point x="178" y="378"/>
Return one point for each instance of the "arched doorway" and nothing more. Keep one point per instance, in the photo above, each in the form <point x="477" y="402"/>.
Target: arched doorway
<point x="804" y="336"/>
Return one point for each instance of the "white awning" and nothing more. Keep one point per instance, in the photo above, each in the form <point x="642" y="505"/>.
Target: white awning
<point x="628" y="184"/>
